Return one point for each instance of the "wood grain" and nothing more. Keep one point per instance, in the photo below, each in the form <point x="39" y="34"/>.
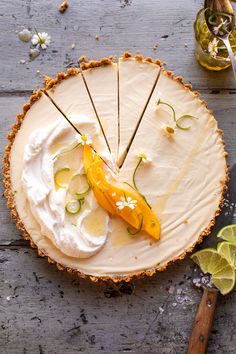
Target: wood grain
<point x="138" y="26"/>
<point x="48" y="312"/>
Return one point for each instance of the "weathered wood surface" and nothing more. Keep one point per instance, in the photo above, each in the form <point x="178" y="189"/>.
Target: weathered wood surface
<point x="135" y="25"/>
<point x="44" y="310"/>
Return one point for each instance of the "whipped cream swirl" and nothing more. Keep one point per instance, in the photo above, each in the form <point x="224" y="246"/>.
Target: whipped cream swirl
<point x="48" y="204"/>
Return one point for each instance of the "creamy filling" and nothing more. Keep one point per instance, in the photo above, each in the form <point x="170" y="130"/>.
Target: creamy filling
<point x="47" y="203"/>
<point x="183" y="183"/>
<point x="136" y="82"/>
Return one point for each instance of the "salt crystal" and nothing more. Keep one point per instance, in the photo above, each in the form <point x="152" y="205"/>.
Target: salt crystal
<point x="171" y="289"/>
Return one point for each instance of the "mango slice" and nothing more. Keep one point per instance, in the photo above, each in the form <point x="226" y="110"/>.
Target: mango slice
<point x="128" y="205"/>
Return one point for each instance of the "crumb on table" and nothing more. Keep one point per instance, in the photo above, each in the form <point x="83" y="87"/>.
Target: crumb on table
<point x="64" y="6"/>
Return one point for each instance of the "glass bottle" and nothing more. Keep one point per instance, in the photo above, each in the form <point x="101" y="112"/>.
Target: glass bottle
<point x="205" y="41"/>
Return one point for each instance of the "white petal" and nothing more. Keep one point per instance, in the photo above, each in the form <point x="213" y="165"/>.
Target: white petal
<point x="43" y="45"/>
<point x="35" y="39"/>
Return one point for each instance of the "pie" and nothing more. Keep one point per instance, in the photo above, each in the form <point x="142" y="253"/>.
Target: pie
<point x="115" y="169"/>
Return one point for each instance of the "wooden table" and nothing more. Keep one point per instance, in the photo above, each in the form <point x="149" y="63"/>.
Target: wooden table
<point x="49" y="312"/>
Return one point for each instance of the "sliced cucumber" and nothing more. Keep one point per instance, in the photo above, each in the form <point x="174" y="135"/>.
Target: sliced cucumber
<point x="62" y="177"/>
<point x="73" y="206"/>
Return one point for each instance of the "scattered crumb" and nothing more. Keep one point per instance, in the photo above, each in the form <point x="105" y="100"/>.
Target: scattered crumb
<point x="135" y="257"/>
<point x="82" y="59"/>
<point x="8" y="298"/>
<point x="22" y="61"/>
<point x="155" y="47"/>
<point x="64" y="6"/>
<point x="125" y="3"/>
<point x="25" y="35"/>
<point x="34" y="53"/>
<point x="174" y="304"/>
<point x="164" y="37"/>
<point x="97" y="37"/>
<point x="171" y="290"/>
<point x="185" y="221"/>
<point x="185" y="44"/>
<point x="161" y="309"/>
<point x="72" y="46"/>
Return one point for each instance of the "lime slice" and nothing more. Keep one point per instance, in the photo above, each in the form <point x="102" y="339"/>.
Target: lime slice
<point x="228" y="251"/>
<point x="65" y="151"/>
<point x="228" y="233"/>
<point x="62" y="178"/>
<point x="73" y="206"/>
<point x="79" y="185"/>
<point x="222" y="273"/>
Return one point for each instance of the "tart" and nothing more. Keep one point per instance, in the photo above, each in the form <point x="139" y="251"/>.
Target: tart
<point x="115" y="169"/>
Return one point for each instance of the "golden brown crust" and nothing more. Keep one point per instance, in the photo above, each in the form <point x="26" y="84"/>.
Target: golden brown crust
<point x="96" y="63"/>
<point x="50" y="83"/>
<point x="139" y="57"/>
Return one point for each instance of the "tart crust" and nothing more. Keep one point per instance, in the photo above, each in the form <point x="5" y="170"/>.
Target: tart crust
<point x="8" y="193"/>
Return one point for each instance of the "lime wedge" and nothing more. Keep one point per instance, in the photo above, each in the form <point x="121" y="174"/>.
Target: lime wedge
<point x="62" y="178"/>
<point x="228" y="251"/>
<point x="228" y="233"/>
<point x="222" y="273"/>
<point x="73" y="206"/>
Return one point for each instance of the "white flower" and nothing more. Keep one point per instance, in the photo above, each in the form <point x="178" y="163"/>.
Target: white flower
<point x="126" y="202"/>
<point x="222" y="26"/>
<point x="84" y="140"/>
<point x="41" y="39"/>
<point x="212" y="47"/>
<point x="145" y="158"/>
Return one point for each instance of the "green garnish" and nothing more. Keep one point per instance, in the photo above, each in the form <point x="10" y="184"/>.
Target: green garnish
<point x="135" y="187"/>
<point x="73" y="206"/>
<point x="135" y="232"/>
<point x="177" y="120"/>
<point x="66" y="151"/>
<point x="62" y="177"/>
<point x="135" y="171"/>
<point x="79" y="186"/>
<point x="215" y="16"/>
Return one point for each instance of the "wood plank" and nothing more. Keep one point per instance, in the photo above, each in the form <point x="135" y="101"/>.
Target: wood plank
<point x="50" y="312"/>
<point x="121" y="25"/>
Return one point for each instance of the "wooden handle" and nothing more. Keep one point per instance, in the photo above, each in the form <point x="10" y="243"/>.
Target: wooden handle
<point x="203" y="322"/>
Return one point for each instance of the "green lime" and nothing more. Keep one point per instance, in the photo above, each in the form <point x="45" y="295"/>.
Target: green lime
<point x="228" y="251"/>
<point x="228" y="233"/>
<point x="222" y="273"/>
<point x="73" y="206"/>
<point x="79" y="186"/>
<point x="62" y="177"/>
